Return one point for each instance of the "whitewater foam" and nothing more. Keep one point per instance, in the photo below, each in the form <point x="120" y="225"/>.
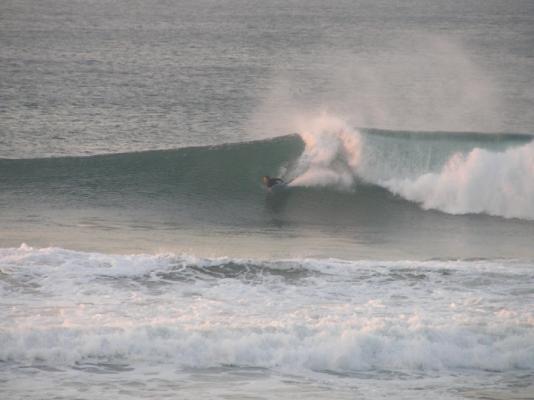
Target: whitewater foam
<point x="67" y="307"/>
<point x="477" y="180"/>
<point x="480" y="182"/>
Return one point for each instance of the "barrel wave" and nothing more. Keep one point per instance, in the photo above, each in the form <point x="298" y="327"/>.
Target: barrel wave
<point x="329" y="165"/>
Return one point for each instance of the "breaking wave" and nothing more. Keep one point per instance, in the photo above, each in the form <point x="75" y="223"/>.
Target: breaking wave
<point x="78" y="308"/>
<point x="456" y="173"/>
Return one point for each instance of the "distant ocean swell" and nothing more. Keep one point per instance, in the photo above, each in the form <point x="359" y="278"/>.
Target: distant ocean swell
<point x="71" y="307"/>
<point x="457" y="173"/>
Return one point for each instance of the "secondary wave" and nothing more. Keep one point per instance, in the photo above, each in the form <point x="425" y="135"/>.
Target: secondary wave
<point x="73" y="308"/>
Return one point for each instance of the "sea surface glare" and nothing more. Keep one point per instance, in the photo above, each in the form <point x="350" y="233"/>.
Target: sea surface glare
<point x="141" y="257"/>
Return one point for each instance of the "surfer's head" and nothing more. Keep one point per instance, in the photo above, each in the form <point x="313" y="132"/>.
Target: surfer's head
<point x="266" y="179"/>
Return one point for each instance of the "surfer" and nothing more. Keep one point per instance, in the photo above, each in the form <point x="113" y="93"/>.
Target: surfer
<point x="270" y="182"/>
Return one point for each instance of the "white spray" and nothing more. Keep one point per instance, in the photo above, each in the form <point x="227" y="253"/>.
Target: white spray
<point x="481" y="181"/>
<point x="428" y="83"/>
<point x="332" y="153"/>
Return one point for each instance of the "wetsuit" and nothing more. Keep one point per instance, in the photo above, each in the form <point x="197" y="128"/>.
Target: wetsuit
<point x="270" y="182"/>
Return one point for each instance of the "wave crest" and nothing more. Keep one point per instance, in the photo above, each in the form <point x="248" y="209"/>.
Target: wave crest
<point x="454" y="176"/>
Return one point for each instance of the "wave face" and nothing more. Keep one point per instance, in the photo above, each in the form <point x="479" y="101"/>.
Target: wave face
<point x="300" y="314"/>
<point x="211" y="170"/>
<point x="352" y="193"/>
<point x="453" y="173"/>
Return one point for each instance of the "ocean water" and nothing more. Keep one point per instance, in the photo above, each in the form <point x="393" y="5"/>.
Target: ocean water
<point x="140" y="256"/>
